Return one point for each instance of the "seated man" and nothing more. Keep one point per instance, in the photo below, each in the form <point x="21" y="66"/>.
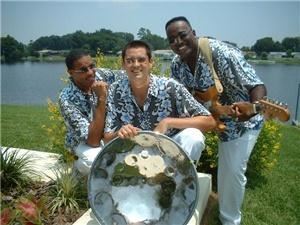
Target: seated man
<point x="145" y="101"/>
<point x="82" y="105"/>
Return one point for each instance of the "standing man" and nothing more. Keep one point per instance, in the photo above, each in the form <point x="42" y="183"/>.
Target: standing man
<point x="143" y="101"/>
<point x="241" y="88"/>
<point x="82" y="105"/>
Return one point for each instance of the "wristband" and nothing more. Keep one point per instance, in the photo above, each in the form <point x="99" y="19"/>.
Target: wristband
<point x="256" y="107"/>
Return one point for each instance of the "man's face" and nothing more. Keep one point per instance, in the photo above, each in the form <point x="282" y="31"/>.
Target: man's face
<point x="137" y="64"/>
<point x="83" y="72"/>
<point x="182" y="39"/>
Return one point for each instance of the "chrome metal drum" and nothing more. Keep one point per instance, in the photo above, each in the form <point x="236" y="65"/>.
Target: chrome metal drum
<point x="148" y="179"/>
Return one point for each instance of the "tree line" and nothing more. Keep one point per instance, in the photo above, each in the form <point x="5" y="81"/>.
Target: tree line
<point x="112" y="42"/>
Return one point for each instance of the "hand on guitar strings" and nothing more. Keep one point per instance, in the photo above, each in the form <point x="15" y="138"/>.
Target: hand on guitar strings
<point x="243" y="111"/>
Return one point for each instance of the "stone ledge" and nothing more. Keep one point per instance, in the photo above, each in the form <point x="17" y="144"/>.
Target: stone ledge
<point x="88" y="218"/>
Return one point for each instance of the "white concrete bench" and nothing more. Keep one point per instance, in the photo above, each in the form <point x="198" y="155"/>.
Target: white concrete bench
<point x="88" y="218"/>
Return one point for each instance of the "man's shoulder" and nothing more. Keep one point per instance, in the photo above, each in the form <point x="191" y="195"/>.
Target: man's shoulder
<point x="109" y="75"/>
<point x="165" y="81"/>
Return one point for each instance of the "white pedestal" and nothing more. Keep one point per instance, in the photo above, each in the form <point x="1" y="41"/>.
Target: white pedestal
<point x="204" y="180"/>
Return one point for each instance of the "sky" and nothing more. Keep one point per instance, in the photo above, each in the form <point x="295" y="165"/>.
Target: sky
<point x="241" y="22"/>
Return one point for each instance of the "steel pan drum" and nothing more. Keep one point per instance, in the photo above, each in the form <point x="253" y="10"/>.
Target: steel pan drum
<point x="148" y="179"/>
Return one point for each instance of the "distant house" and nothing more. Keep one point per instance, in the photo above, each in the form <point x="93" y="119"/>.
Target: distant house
<point x="164" y="54"/>
<point x="276" y="55"/>
<point x="296" y="55"/>
<point x="47" y="52"/>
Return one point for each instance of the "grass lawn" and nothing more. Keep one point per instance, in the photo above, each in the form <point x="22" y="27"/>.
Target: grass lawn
<point x="21" y="127"/>
<point x="274" y="200"/>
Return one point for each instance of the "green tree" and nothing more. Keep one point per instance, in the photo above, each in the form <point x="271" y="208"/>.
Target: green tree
<point x="11" y="49"/>
<point x="263" y="45"/>
<point x="154" y="40"/>
<point x="290" y="43"/>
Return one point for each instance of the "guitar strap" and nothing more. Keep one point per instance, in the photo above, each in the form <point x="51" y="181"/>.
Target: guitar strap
<point x="205" y="50"/>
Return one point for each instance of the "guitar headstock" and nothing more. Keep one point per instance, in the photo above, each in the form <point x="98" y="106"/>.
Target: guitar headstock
<point x="274" y="109"/>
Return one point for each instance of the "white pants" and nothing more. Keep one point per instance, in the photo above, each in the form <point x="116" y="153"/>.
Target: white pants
<point x="192" y="142"/>
<point x="86" y="156"/>
<point x="232" y="165"/>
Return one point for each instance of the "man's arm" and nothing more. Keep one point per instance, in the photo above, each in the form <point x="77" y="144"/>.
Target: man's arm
<point x="126" y="131"/>
<point x="203" y="123"/>
<point x="96" y="127"/>
<point x="242" y="108"/>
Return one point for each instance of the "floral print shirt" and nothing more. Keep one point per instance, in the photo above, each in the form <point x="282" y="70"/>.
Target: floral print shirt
<point x="77" y="107"/>
<point x="236" y="75"/>
<point x="166" y="98"/>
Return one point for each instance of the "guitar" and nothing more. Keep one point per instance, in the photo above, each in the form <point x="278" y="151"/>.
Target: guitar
<point x="266" y="107"/>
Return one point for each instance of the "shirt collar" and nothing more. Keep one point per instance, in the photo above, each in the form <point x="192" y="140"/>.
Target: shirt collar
<point x="153" y="87"/>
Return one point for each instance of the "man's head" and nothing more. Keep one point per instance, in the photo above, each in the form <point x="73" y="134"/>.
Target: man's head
<point x="81" y="68"/>
<point x="182" y="37"/>
<point x="137" y="60"/>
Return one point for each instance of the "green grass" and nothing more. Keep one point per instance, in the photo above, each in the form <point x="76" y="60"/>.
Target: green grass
<point x="274" y="200"/>
<point x="277" y="202"/>
<point x="21" y="127"/>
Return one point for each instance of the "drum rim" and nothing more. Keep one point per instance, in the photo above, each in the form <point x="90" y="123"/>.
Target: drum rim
<point x="100" y="220"/>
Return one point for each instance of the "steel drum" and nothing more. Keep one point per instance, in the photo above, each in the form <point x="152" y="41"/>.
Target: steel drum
<point x="148" y="179"/>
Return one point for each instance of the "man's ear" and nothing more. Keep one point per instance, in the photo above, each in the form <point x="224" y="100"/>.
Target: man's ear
<point x="151" y="61"/>
<point x="194" y="32"/>
<point x="69" y="72"/>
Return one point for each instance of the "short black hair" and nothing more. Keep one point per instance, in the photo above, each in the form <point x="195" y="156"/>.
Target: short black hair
<point x="74" y="55"/>
<point x="178" y="18"/>
<point x="137" y="44"/>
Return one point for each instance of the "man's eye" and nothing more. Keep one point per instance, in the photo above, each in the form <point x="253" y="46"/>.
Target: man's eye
<point x="183" y="35"/>
<point x="129" y="61"/>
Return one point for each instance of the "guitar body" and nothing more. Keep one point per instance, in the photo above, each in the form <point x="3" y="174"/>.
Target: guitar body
<point x="212" y="96"/>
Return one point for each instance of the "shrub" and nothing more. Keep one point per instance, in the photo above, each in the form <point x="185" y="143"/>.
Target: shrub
<point x="263" y="158"/>
<point x="15" y="170"/>
<point x="68" y="192"/>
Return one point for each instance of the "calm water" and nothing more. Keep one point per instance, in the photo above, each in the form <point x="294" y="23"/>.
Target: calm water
<point x="33" y="83"/>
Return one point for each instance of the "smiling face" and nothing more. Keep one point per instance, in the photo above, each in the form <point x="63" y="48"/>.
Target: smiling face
<point x="182" y="39"/>
<point x="137" y="64"/>
<point x="83" y="72"/>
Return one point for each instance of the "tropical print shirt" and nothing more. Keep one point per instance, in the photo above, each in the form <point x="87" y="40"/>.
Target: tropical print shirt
<point x="77" y="107"/>
<point x="166" y="98"/>
<point x="236" y="75"/>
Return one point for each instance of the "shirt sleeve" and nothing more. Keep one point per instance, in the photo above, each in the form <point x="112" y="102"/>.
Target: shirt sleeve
<point x="187" y="105"/>
<point x="75" y="121"/>
<point x="233" y="66"/>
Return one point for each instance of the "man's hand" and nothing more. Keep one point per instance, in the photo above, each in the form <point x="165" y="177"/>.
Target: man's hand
<point x="127" y="131"/>
<point x="162" y="127"/>
<point x="100" y="88"/>
<point x="243" y="110"/>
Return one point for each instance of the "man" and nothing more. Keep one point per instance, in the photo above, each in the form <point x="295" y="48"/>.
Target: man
<point x="241" y="88"/>
<point x="82" y="105"/>
<point x="143" y="101"/>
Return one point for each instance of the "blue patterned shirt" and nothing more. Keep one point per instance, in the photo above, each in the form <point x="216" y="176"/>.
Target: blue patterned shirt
<point x="77" y="107"/>
<point x="236" y="75"/>
<point x="166" y="98"/>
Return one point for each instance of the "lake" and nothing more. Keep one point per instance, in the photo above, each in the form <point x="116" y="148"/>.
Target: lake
<point x="32" y="83"/>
